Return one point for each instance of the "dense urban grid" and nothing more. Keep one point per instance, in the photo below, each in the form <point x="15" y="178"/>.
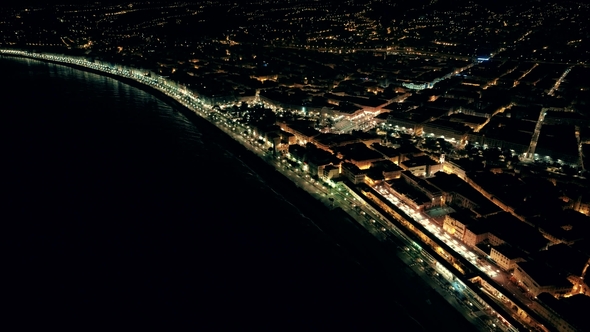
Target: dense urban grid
<point x="457" y="130"/>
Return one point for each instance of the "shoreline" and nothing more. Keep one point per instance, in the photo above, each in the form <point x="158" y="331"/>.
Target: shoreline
<point x="344" y="238"/>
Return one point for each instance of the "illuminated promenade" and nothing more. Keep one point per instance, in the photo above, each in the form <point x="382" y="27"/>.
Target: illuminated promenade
<point x="380" y="214"/>
<point x="180" y="94"/>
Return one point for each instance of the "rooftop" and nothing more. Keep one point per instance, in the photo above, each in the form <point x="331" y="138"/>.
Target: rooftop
<point x="419" y="161"/>
<point x="358" y="152"/>
<point x="543" y="275"/>
<point x="572" y="309"/>
<point x="408" y="191"/>
<point x="563" y="258"/>
<point x="304" y="127"/>
<point x="386" y="166"/>
<point x="452" y="183"/>
<point x="464" y="218"/>
<point x="385" y="150"/>
<point x="330" y="139"/>
<point x="508" y="251"/>
<point x="515" y="232"/>
<point x="449" y="125"/>
<point x="478" y="227"/>
<point x="422" y="183"/>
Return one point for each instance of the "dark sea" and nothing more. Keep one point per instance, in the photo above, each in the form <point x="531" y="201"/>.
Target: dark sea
<point x="118" y="211"/>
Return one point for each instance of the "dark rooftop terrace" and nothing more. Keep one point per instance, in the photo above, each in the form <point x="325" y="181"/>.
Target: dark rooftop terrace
<point x="371" y="102"/>
<point x="386" y="166"/>
<point x="428" y="113"/>
<point x="463" y="217"/>
<point x="418" y="161"/>
<point x="452" y="183"/>
<point x="509" y="251"/>
<point x="543" y="275"/>
<point x="304" y="127"/>
<point x="410" y="192"/>
<point x="385" y="150"/>
<point x="509" y="131"/>
<point x="571" y="309"/>
<point x="517" y="233"/>
<point x="558" y="138"/>
<point x="357" y="151"/>
<point x="449" y="125"/>
<point x="330" y="139"/>
<point x="464" y="118"/>
<point x="563" y="258"/>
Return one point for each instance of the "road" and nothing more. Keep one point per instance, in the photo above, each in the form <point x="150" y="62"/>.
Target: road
<point x="559" y="81"/>
<point x="461" y="303"/>
<point x="531" y="155"/>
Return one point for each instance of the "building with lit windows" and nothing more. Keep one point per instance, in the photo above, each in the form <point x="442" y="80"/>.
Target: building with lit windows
<point x="506" y="256"/>
<point x="351" y="172"/>
<point x="457" y="225"/>
<point x="330" y="172"/>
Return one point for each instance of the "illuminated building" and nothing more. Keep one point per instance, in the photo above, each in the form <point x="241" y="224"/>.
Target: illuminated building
<point x="506" y="256"/>
<point x="354" y="174"/>
<point x="330" y="172"/>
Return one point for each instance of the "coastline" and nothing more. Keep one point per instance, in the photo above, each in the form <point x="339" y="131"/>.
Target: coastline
<point x="345" y="239"/>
